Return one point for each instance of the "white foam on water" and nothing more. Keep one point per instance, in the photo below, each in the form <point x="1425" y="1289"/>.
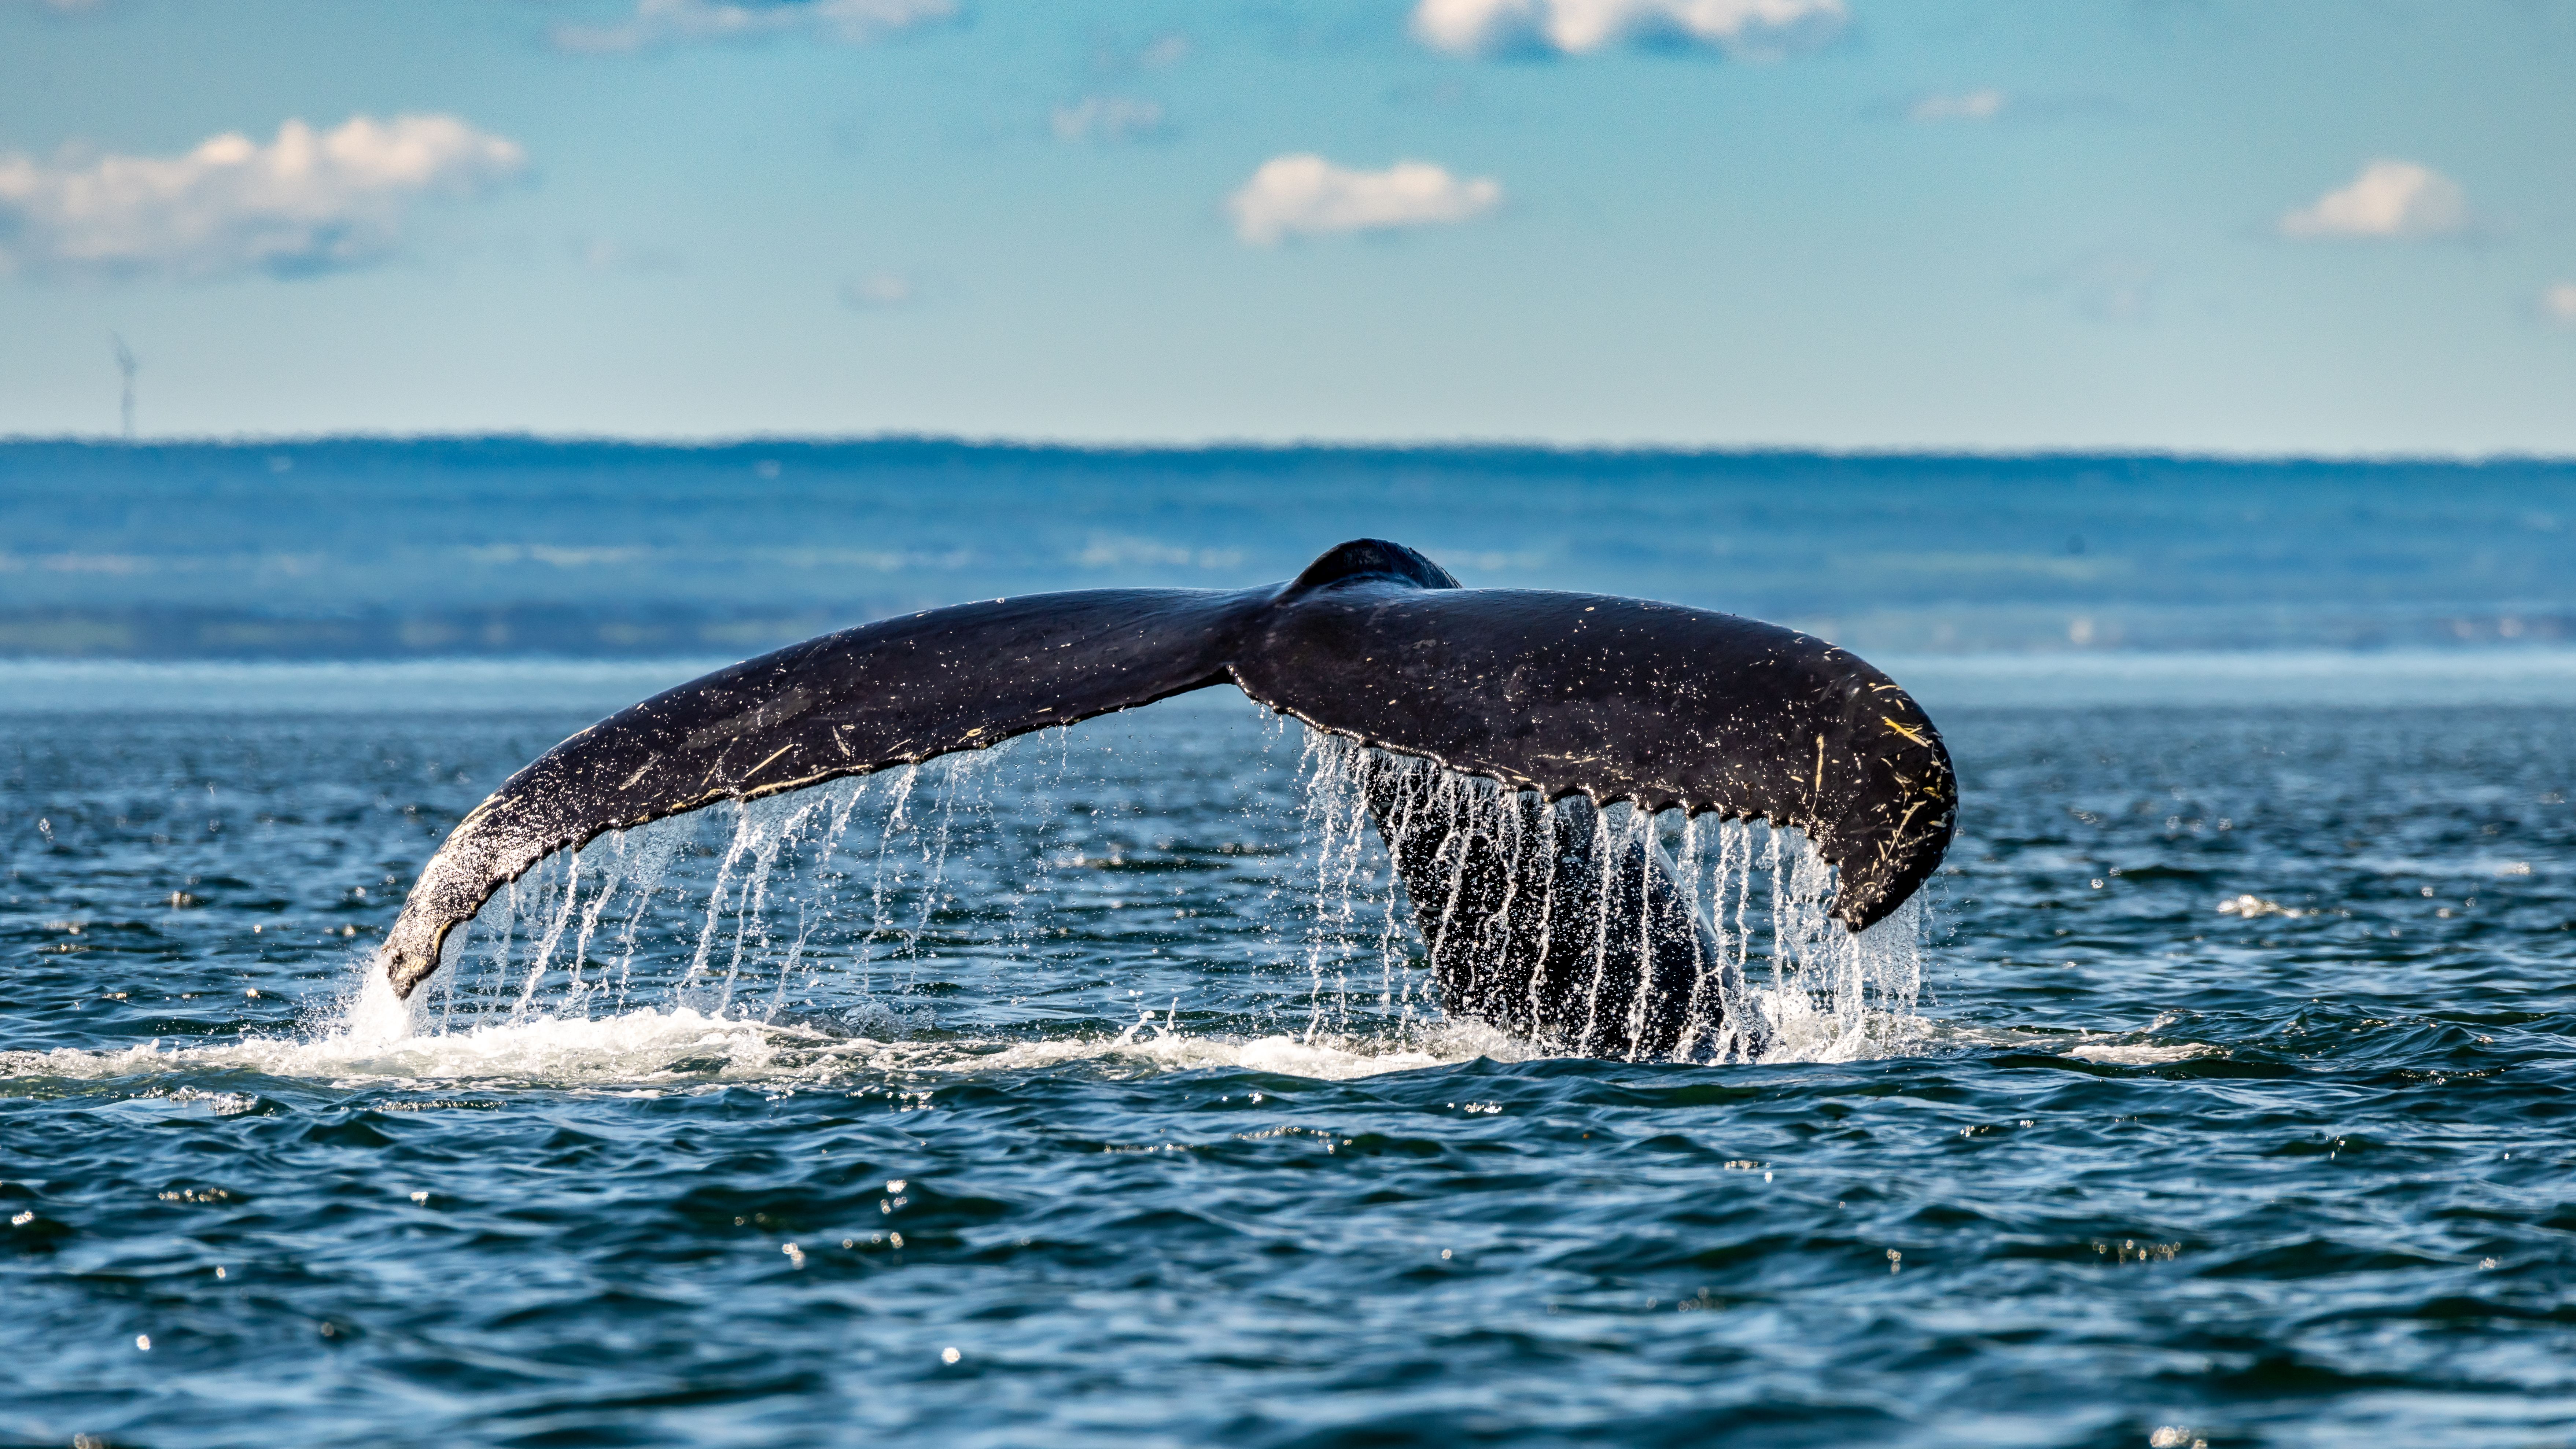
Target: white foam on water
<point x="2140" y="1054"/>
<point x="633" y="1047"/>
<point x="654" y="1046"/>
<point x="2113" y="1048"/>
<point x="1332" y="1059"/>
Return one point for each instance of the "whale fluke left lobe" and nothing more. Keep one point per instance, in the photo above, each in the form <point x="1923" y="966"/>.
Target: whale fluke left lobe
<point x="893" y="692"/>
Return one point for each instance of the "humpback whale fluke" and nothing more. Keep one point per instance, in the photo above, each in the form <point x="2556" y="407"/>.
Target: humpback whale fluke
<point x="1561" y="694"/>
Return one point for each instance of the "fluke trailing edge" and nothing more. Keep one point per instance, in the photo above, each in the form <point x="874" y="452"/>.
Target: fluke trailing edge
<point x="1560" y="694"/>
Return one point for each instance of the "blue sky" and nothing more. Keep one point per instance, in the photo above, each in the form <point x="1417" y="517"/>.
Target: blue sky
<point x="2336" y="228"/>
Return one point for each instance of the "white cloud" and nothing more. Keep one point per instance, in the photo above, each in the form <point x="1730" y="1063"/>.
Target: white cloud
<point x="1977" y="105"/>
<point x="1574" y="27"/>
<point x="1106" y="118"/>
<point x="2388" y="199"/>
<point x="306" y="202"/>
<point x="679" y="22"/>
<point x="2558" y="303"/>
<point x="1308" y="194"/>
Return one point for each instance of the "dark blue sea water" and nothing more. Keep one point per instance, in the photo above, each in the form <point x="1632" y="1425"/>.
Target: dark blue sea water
<point x="1088" y="1094"/>
<point x="1090" y="1091"/>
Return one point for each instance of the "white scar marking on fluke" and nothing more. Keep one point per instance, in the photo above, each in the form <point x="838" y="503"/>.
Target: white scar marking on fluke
<point x="765" y="764"/>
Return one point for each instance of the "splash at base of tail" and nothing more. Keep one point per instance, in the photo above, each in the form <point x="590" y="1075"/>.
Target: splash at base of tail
<point x="1563" y="934"/>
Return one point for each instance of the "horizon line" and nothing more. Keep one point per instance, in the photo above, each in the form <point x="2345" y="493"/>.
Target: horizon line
<point x="715" y="442"/>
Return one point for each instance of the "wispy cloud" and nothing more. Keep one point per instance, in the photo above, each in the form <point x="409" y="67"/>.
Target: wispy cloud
<point x="1117" y="57"/>
<point x="598" y="254"/>
<point x="1163" y="51"/>
<point x="1108" y="118"/>
<point x="2392" y="199"/>
<point x="305" y="203"/>
<point x="2106" y="286"/>
<point x="1306" y="194"/>
<point x="683" y="22"/>
<point x="2558" y="303"/>
<point x="880" y="292"/>
<point x="1577" y="27"/>
<point x="1976" y="105"/>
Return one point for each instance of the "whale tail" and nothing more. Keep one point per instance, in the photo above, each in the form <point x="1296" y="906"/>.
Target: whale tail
<point x="1553" y="693"/>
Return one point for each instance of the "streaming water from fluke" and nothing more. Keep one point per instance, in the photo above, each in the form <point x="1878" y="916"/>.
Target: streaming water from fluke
<point x="913" y="917"/>
<point x="1775" y="977"/>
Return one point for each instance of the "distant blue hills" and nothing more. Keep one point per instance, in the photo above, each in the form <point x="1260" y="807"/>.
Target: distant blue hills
<point x="388" y="547"/>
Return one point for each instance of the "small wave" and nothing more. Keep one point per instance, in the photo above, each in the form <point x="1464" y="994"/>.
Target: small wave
<point x="2252" y="906"/>
<point x="2140" y="1054"/>
<point x="2076" y="1044"/>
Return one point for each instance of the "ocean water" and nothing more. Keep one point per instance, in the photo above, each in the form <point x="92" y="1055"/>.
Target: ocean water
<point x="367" y="548"/>
<point x="1089" y="1092"/>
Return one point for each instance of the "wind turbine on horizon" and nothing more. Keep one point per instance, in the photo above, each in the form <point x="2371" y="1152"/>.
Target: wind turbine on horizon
<point x="125" y="365"/>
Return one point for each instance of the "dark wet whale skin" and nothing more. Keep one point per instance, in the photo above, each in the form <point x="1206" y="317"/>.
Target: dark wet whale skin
<point x="1553" y="693"/>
